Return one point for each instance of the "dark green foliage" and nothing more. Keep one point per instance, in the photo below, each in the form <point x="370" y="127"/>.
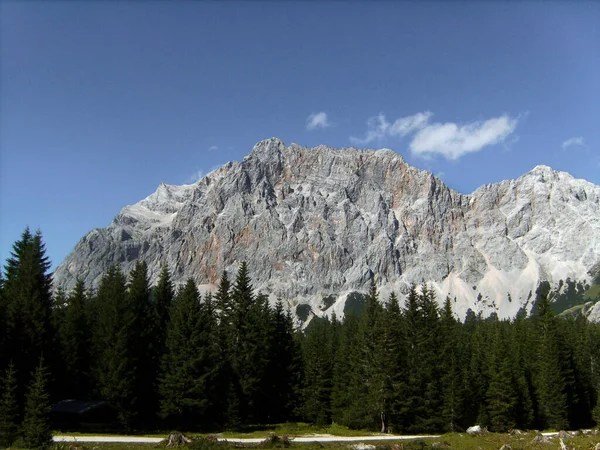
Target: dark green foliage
<point x="75" y="343"/>
<point x="9" y="409"/>
<point x="162" y="297"/>
<point x="549" y="380"/>
<point x="188" y="367"/>
<point x="501" y="395"/>
<point x="36" y="424"/>
<point x="27" y="306"/>
<point x="318" y="359"/>
<point x="114" y="370"/>
<point x="232" y="359"/>
<point x="143" y="345"/>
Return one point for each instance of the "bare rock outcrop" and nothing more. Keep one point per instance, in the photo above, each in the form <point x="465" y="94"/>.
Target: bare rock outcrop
<point x="319" y="223"/>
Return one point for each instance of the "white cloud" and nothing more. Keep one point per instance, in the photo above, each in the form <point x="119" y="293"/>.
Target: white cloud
<point x="378" y="127"/>
<point x="317" y="120"/>
<point x="447" y="139"/>
<point x="574" y="141"/>
<point x="406" y="125"/>
<point x="453" y="141"/>
<point x="196" y="176"/>
<point x="212" y="148"/>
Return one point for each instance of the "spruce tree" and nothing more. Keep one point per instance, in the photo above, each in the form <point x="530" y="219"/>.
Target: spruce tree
<point x="27" y="302"/>
<point x="9" y="409"/>
<point x="318" y="372"/>
<point x="450" y="369"/>
<point x="344" y="373"/>
<point x="249" y="345"/>
<point x="282" y="370"/>
<point x="188" y="367"/>
<point x="501" y="396"/>
<point x="36" y="424"/>
<point x="549" y="378"/>
<point x="75" y="343"/>
<point x="162" y="297"/>
<point x="114" y="370"/>
<point x="142" y="345"/>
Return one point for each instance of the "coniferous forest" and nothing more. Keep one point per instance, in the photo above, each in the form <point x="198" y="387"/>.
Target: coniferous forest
<point x="167" y="357"/>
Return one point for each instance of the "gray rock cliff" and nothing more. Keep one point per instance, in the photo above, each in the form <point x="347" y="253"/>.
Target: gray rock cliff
<point x="318" y="222"/>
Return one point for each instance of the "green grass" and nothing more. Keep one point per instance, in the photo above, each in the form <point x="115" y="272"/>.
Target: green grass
<point x="456" y="441"/>
<point x="291" y="429"/>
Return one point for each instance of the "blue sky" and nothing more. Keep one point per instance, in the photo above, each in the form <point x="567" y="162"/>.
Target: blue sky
<point x="102" y="101"/>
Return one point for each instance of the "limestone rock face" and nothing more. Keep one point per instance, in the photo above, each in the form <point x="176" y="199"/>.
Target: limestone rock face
<point x="317" y="222"/>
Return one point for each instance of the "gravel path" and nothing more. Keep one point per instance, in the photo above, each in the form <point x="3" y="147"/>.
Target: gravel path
<point x="306" y="438"/>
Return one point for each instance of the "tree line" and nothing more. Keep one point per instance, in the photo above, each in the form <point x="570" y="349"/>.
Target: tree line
<point x="172" y="357"/>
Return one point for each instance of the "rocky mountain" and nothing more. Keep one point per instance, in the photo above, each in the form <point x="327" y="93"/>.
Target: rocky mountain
<point x="315" y="224"/>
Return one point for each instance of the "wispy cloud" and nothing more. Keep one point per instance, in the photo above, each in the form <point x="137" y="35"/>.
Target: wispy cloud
<point x="446" y="139"/>
<point x="406" y="125"/>
<point x="573" y="142"/>
<point x="379" y="128"/>
<point x="317" y="120"/>
<point x="212" y="148"/>
<point x="196" y="176"/>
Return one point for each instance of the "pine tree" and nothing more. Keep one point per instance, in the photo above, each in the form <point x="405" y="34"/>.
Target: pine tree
<point x="282" y="370"/>
<point x="451" y="362"/>
<point x="188" y="369"/>
<point x="36" y="424"/>
<point x="27" y="302"/>
<point x="344" y="373"/>
<point x="9" y="409"/>
<point x="395" y="354"/>
<point x="249" y="345"/>
<point x="223" y="301"/>
<point x="142" y="345"/>
<point x="549" y="379"/>
<point x="372" y="386"/>
<point x="114" y="371"/>
<point x="501" y="396"/>
<point x="163" y="298"/>
<point x="75" y="343"/>
<point x="318" y="372"/>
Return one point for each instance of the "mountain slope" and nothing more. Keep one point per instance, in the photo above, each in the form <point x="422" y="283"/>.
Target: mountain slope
<point x="313" y="223"/>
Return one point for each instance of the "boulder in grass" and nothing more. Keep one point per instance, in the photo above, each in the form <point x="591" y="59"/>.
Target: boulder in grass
<point x="506" y="447"/>
<point x="176" y="439"/>
<point x="541" y="439"/>
<point x="475" y="429"/>
<point x="565" y="434"/>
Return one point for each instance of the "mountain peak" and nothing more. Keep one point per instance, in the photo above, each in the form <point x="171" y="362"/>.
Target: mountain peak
<point x="316" y="224"/>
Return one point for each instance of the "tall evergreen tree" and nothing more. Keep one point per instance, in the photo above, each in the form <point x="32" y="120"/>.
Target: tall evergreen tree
<point x="344" y="372"/>
<point x="36" y="424"/>
<point x="114" y="371"/>
<point x="162" y="298"/>
<point x="282" y="370"/>
<point x="450" y="369"/>
<point x="9" y="409"/>
<point x="318" y="353"/>
<point x="249" y="345"/>
<point x="143" y="344"/>
<point x="188" y="368"/>
<point x="501" y="396"/>
<point x="549" y="381"/>
<point x="75" y="343"/>
<point x="27" y="302"/>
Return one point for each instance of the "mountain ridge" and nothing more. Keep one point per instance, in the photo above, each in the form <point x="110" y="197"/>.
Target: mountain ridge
<point x="318" y="222"/>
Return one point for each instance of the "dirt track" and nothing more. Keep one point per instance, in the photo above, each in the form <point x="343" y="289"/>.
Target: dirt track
<point x="306" y="438"/>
